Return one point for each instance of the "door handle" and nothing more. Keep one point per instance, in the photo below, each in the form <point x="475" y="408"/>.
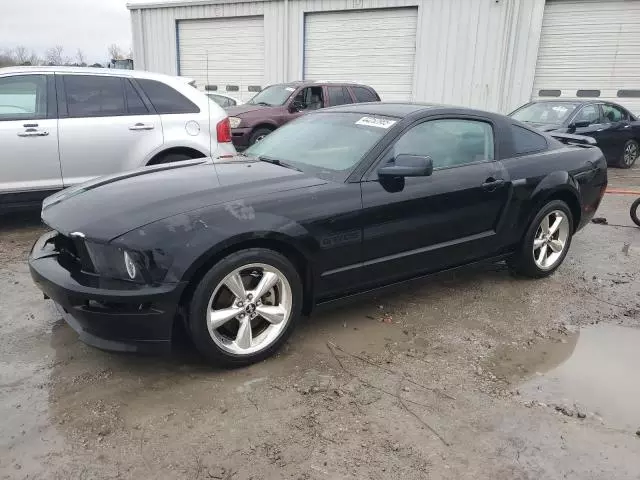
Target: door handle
<point x="142" y="126"/>
<point x="491" y="184"/>
<point x="32" y="132"/>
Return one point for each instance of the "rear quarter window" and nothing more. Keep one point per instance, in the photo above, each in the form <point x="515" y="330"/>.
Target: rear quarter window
<point x="525" y="141"/>
<point x="364" y="95"/>
<point x="165" y="99"/>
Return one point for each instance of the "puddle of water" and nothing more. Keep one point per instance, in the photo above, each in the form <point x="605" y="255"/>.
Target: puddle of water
<point x="600" y="376"/>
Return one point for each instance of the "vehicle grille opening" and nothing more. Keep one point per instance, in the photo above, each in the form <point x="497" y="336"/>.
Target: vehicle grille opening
<point x="73" y="253"/>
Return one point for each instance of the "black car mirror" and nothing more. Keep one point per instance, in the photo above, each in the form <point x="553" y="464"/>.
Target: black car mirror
<point x="405" y="165"/>
<point x="583" y="124"/>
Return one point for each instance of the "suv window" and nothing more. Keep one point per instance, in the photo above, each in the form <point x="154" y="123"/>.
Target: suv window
<point x="590" y="114"/>
<point x="338" y="96"/>
<point x="364" y="94"/>
<point x="449" y="143"/>
<point x="23" y="97"/>
<point x="613" y="114"/>
<point x="310" y="98"/>
<point x="165" y="99"/>
<point x="525" y="141"/>
<point x="94" y="96"/>
<point x="135" y="105"/>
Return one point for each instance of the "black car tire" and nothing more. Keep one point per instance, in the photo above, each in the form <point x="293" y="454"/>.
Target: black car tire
<point x="635" y="212"/>
<point x="628" y="162"/>
<point x="258" y="134"/>
<point x="523" y="261"/>
<point x="197" y="319"/>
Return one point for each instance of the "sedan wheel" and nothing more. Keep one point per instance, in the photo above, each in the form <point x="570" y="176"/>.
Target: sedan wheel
<point x="546" y="241"/>
<point x="550" y="239"/>
<point x="245" y="307"/>
<point x="630" y="154"/>
<point x="249" y="309"/>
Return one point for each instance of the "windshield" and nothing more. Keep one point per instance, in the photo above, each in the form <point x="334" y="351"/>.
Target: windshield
<point x="545" y="112"/>
<point x="329" y="143"/>
<point x="273" y="95"/>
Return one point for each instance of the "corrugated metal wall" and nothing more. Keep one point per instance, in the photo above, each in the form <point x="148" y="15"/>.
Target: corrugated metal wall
<point x="479" y="53"/>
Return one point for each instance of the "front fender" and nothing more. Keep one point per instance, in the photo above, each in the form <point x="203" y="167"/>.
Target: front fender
<point x="190" y="240"/>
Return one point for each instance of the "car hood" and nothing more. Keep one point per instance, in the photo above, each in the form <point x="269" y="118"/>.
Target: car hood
<point x="240" y="110"/>
<point x="109" y="207"/>
<point x="545" y="127"/>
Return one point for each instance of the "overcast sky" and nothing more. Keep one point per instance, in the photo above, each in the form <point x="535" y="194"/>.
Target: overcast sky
<point x="91" y="25"/>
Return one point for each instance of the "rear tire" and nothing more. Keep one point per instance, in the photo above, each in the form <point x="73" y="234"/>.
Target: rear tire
<point x="635" y="212"/>
<point x="546" y="242"/>
<point x="258" y="135"/>
<point x="232" y="321"/>
<point x="630" y="153"/>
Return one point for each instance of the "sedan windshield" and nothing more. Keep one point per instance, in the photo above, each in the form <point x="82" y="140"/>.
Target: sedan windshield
<point x="553" y="113"/>
<point x="329" y="143"/>
<point x="273" y="95"/>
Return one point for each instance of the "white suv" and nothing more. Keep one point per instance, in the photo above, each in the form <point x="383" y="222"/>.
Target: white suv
<point x="61" y="126"/>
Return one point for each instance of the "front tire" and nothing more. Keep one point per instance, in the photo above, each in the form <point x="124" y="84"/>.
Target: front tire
<point x="245" y="307"/>
<point x="546" y="242"/>
<point x="630" y="153"/>
<point x="258" y="135"/>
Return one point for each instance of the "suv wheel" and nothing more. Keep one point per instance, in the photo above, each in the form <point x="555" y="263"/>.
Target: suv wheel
<point x="546" y="242"/>
<point x="245" y="307"/>
<point x="259" y="134"/>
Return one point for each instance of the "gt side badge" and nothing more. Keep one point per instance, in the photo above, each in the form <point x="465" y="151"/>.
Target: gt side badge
<point x="375" y="122"/>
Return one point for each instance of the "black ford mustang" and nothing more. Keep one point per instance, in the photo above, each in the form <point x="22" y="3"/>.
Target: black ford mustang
<point x="615" y="129"/>
<point x="338" y="202"/>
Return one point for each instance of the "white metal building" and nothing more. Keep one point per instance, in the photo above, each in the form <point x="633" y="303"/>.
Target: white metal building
<point x="491" y="54"/>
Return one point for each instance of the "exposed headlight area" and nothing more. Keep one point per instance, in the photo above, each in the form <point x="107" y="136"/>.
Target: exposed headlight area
<point x="235" y="122"/>
<point x="117" y="262"/>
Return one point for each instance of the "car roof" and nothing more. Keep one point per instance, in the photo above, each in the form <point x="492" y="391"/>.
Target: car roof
<point x="403" y="109"/>
<point x="87" y="70"/>
<point x="311" y="83"/>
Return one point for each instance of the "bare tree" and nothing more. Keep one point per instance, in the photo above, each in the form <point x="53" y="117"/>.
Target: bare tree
<point x="21" y="55"/>
<point x="80" y="58"/>
<point x="115" y="52"/>
<point x="54" y="56"/>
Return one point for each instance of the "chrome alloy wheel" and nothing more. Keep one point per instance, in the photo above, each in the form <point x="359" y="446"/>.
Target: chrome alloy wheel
<point x="550" y="239"/>
<point x="631" y="153"/>
<point x="249" y="309"/>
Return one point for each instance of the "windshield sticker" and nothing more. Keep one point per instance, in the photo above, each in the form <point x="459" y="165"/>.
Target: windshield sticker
<point x="375" y="122"/>
<point x="289" y="89"/>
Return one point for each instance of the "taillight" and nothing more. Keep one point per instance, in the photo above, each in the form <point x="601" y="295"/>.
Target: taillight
<point x="223" y="131"/>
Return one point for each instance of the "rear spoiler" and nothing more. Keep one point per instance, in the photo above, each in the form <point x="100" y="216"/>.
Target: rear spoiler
<point x="570" y="139"/>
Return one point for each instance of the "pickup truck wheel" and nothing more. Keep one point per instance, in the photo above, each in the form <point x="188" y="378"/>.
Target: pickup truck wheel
<point x="546" y="242"/>
<point x="630" y="153"/>
<point x="259" y="134"/>
<point x="245" y="307"/>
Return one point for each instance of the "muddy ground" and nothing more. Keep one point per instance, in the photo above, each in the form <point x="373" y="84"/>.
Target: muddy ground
<point x="468" y="375"/>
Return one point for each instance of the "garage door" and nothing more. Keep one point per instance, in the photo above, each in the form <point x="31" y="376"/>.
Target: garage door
<point x="590" y="49"/>
<point x="234" y="48"/>
<point x="374" y="47"/>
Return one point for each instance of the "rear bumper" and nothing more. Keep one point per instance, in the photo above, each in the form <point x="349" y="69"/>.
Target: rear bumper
<point x="109" y="314"/>
<point x="241" y="137"/>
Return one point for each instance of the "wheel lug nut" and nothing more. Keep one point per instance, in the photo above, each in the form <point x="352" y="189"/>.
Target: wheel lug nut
<point x="240" y="304"/>
<point x="249" y="297"/>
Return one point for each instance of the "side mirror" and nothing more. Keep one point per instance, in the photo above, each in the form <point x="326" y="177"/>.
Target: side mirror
<point x="408" y="166"/>
<point x="582" y="124"/>
<point x="296" y="106"/>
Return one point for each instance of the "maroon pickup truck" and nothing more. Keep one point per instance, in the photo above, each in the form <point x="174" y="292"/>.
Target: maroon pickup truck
<point x="277" y="104"/>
